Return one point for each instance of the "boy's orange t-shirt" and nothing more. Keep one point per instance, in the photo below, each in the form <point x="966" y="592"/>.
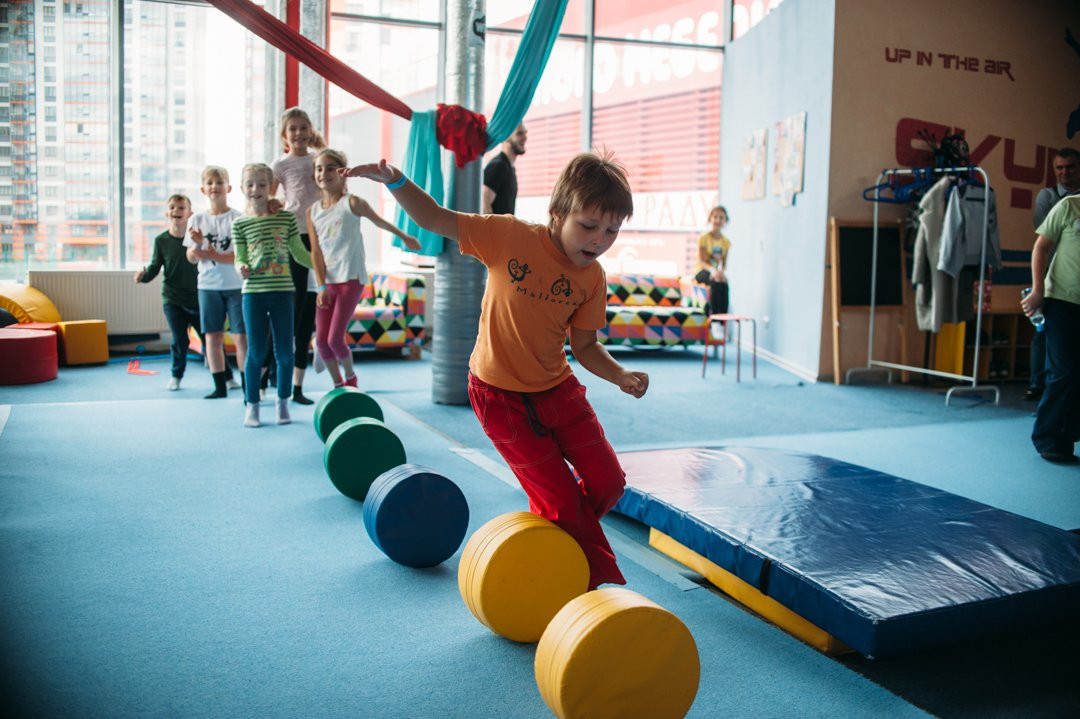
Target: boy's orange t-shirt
<point x="533" y="295"/>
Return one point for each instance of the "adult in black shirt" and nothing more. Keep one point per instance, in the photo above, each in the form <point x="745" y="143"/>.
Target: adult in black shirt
<point x="500" y="178"/>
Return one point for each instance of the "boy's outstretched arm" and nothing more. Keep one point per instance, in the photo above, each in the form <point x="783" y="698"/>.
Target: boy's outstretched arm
<point x="591" y="355"/>
<point x="417" y="204"/>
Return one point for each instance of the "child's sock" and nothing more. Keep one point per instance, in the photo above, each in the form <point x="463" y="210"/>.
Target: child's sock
<point x="219" y="387"/>
<point x="298" y="396"/>
<point x="283" y="411"/>
<point x="251" y="415"/>
<point x="350" y="381"/>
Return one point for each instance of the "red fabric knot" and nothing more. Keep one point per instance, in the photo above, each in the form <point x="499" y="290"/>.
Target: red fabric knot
<point x="461" y="131"/>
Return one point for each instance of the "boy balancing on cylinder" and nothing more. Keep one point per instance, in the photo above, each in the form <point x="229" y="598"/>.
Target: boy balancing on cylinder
<point x="542" y="281"/>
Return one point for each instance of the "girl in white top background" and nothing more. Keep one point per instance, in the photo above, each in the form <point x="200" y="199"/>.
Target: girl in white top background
<point x="337" y="259"/>
<point x="294" y="173"/>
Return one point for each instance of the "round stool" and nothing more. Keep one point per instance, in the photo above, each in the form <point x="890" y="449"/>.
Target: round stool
<point x="517" y="571"/>
<point x="27" y="356"/>
<point x="357" y="452"/>
<point x="340" y="404"/>
<point x="614" y="653"/>
<point x="416" y="517"/>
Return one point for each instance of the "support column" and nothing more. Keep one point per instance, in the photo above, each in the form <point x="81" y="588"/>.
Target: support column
<point x="459" y="283"/>
<point x="312" y="85"/>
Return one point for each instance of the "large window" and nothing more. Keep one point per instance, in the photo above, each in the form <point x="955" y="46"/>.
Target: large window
<point x="655" y="104"/>
<point x="195" y="93"/>
<point x="404" y="61"/>
<point x="638" y="78"/>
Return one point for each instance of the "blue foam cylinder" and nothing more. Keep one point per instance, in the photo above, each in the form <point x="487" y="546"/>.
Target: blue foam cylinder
<point x="415" y="516"/>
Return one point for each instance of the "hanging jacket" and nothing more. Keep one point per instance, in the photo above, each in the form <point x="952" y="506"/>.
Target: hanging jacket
<point x="962" y="235"/>
<point x="934" y="290"/>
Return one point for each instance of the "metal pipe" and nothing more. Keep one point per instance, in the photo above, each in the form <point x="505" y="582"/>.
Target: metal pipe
<point x="459" y="283"/>
<point x="116" y="70"/>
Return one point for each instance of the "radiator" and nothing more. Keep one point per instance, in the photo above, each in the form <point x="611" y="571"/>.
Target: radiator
<point x="110" y="295"/>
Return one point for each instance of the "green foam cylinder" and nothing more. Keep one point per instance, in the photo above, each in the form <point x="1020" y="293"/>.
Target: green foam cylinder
<point x="340" y="404"/>
<point x="357" y="452"/>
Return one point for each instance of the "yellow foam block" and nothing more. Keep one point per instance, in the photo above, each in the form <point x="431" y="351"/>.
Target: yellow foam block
<point x="614" y="653"/>
<point x="196" y="346"/>
<point x="949" y="348"/>
<point x="85" y="342"/>
<point x="517" y="571"/>
<point x="748" y="596"/>
<point x="27" y="304"/>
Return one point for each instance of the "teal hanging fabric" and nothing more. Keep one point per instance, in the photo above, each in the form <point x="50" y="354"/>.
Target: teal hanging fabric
<point x="422" y="165"/>
<point x="529" y="63"/>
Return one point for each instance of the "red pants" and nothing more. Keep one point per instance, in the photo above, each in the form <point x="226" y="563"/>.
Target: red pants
<point x="537" y="434"/>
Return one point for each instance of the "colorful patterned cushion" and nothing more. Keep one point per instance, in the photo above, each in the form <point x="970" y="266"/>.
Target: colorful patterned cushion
<point x="390" y="313"/>
<point x="644" y="291"/>
<point x="653" y="326"/>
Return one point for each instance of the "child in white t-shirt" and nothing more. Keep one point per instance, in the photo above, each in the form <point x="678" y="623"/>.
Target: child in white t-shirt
<point x="209" y="244"/>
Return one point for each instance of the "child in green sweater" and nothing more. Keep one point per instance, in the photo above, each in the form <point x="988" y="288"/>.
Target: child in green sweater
<point x="179" y="294"/>
<point x="264" y="242"/>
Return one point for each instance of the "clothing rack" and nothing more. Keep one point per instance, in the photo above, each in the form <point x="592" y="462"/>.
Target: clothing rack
<point x="873" y="365"/>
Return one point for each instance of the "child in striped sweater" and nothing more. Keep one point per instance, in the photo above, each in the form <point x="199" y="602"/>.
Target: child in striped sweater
<point x="264" y="241"/>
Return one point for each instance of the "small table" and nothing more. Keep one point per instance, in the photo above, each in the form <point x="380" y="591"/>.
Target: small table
<point x="738" y="320"/>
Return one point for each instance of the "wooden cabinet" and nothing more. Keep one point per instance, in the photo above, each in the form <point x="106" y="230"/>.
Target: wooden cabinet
<point x="1005" y="348"/>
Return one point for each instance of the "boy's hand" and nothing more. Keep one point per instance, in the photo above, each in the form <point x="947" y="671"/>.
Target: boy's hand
<point x="245" y="271"/>
<point x="139" y="276"/>
<point x="196" y="236"/>
<point x="1032" y="302"/>
<point x="380" y="172"/>
<point x="411" y="242"/>
<point x="274" y="205"/>
<point x="635" y="384"/>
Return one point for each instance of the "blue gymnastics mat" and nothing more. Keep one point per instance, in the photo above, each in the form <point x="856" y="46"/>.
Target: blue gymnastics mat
<point x="886" y="565"/>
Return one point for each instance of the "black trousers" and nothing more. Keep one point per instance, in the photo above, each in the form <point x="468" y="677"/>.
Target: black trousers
<point x="1057" y="419"/>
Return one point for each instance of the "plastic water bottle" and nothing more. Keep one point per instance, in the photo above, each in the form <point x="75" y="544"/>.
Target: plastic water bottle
<point x="1037" y="319"/>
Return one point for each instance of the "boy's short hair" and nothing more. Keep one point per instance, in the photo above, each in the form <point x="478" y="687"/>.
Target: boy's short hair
<point x="178" y="196"/>
<point x="215" y="171"/>
<point x="259" y="167"/>
<point x="592" y="180"/>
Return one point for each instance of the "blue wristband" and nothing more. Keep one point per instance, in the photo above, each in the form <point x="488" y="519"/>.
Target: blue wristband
<point x="397" y="183"/>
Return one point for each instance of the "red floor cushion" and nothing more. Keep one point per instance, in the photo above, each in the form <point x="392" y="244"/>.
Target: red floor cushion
<point x="27" y="356"/>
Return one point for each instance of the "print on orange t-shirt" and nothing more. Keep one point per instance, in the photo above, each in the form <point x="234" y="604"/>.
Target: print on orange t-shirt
<point x="533" y="295"/>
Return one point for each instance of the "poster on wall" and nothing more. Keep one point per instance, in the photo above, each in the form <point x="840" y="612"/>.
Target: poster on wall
<point x="753" y="165"/>
<point x="789" y="157"/>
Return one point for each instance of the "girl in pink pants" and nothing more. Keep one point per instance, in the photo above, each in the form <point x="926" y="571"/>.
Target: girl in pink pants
<point x="337" y="254"/>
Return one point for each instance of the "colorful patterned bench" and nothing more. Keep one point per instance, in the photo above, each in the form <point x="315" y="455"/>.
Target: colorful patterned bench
<point x="390" y="314"/>
<point x="651" y="310"/>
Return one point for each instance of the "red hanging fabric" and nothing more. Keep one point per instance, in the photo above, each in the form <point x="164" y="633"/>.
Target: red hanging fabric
<point x="461" y="131"/>
<point x="284" y="38"/>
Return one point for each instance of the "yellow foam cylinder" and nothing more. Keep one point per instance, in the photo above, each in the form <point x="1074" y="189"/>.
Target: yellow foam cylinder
<point x="517" y="571"/>
<point x="614" y="653"/>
